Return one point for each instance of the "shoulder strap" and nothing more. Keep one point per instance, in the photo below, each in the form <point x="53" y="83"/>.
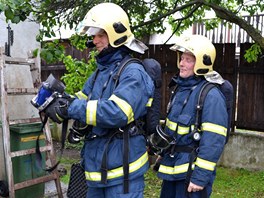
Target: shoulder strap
<point x="203" y="92"/>
<point x="123" y="65"/>
<point x="172" y="94"/>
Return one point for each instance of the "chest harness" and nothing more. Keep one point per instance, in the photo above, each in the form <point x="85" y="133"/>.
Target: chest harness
<point x="195" y="134"/>
<point x="124" y="133"/>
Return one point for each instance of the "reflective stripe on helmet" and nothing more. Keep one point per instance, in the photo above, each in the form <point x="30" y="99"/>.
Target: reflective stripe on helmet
<point x="118" y="172"/>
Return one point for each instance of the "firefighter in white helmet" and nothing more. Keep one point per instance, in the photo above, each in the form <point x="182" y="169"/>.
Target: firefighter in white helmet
<point x="188" y="164"/>
<point x="109" y="110"/>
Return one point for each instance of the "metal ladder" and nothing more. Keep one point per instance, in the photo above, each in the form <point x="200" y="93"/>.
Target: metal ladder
<point x="48" y="148"/>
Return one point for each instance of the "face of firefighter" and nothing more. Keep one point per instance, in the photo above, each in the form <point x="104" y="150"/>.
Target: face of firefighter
<point x="187" y="62"/>
<point x="101" y="40"/>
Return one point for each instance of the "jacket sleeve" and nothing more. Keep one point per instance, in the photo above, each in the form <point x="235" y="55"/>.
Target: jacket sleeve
<point x="127" y="102"/>
<point x="214" y="128"/>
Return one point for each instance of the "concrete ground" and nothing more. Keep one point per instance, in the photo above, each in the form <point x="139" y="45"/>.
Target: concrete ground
<point x="51" y="190"/>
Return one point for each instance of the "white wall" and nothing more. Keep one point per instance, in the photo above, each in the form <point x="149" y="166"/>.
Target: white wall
<point x="18" y="76"/>
<point x="244" y="150"/>
<point x="24" y="37"/>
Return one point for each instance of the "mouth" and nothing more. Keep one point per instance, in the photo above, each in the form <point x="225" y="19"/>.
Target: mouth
<point x="182" y="70"/>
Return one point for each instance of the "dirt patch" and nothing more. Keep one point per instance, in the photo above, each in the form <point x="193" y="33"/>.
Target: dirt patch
<point x="67" y="152"/>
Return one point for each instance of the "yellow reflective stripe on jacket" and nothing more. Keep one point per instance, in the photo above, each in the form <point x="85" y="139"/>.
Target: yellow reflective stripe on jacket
<point x="118" y="172"/>
<point x="205" y="164"/>
<point x="91" y="109"/>
<point x="171" y="125"/>
<point x="149" y="102"/>
<point x="183" y="130"/>
<point x="174" y="170"/>
<point x="81" y="95"/>
<point x="125" y="107"/>
<point x="214" y="128"/>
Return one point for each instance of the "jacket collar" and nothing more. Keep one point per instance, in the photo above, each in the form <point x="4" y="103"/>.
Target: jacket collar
<point x="113" y="56"/>
<point x="189" y="82"/>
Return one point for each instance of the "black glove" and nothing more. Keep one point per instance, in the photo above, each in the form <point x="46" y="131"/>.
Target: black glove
<point x="77" y="131"/>
<point x="58" y="109"/>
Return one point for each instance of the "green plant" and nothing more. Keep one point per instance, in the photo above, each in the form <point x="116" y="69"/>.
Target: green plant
<point x="77" y="72"/>
<point x="52" y="52"/>
<point x="253" y="53"/>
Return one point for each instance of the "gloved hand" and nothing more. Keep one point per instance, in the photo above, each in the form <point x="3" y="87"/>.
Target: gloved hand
<point x="58" y="109"/>
<point x="77" y="131"/>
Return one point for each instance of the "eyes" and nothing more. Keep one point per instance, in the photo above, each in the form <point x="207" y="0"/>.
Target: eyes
<point x="187" y="59"/>
<point x="99" y="35"/>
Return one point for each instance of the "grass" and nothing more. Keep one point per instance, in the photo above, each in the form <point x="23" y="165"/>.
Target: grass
<point x="229" y="183"/>
<point x="238" y="183"/>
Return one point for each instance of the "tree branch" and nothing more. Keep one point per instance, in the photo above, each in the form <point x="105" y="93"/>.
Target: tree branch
<point x="161" y="17"/>
<point x="231" y="17"/>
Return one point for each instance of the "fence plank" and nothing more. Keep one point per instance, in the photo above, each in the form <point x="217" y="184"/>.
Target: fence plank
<point x="250" y="106"/>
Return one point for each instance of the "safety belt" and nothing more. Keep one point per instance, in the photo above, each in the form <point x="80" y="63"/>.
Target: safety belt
<point x="104" y="168"/>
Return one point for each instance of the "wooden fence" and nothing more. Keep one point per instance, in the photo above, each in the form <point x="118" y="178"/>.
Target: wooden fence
<point x="231" y="33"/>
<point x="247" y="79"/>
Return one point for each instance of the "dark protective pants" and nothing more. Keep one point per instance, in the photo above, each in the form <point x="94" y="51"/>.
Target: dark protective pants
<point x="176" y="189"/>
<point x="136" y="190"/>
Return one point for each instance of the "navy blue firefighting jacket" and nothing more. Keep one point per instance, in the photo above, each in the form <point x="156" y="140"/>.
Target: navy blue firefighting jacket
<point x="111" y="108"/>
<point x="179" y="124"/>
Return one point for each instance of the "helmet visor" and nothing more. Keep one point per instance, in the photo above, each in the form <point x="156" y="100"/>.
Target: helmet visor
<point x="81" y="28"/>
<point x="181" y="49"/>
<point x="92" y="31"/>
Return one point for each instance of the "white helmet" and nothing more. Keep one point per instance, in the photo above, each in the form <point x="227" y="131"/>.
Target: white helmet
<point x="114" y="21"/>
<point x="203" y="50"/>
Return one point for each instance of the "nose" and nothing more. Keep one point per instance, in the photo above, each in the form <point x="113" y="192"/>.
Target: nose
<point x="95" y="39"/>
<point x="181" y="63"/>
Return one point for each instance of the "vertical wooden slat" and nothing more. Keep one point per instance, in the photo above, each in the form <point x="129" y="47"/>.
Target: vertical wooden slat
<point x="5" y="127"/>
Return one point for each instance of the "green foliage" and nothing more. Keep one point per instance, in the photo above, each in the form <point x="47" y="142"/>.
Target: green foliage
<point x="16" y="10"/>
<point x="77" y="72"/>
<point x="52" y="52"/>
<point x="79" y="41"/>
<point x="253" y="53"/>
